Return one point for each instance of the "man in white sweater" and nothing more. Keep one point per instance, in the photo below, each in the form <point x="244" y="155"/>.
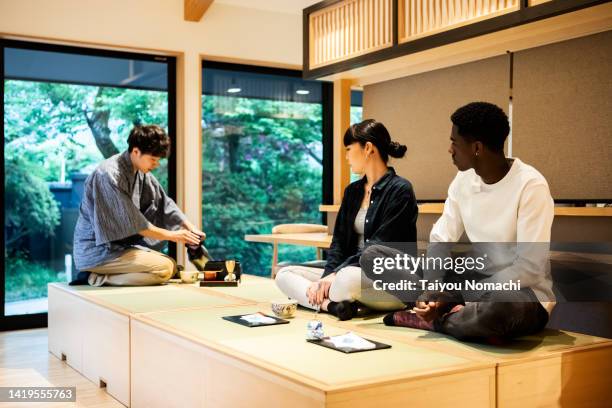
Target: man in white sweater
<point x="493" y="199"/>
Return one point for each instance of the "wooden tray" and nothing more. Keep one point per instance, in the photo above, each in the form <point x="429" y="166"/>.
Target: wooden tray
<point x="219" y="283"/>
<point x="324" y="342"/>
<point x="237" y="319"/>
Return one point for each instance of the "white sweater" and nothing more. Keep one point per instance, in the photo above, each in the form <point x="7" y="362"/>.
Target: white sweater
<point x="518" y="208"/>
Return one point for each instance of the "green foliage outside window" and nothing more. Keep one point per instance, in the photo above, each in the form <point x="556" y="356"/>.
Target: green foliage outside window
<point x="50" y="131"/>
<point x="262" y="166"/>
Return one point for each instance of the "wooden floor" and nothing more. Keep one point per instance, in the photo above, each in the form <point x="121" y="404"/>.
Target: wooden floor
<point x="25" y="361"/>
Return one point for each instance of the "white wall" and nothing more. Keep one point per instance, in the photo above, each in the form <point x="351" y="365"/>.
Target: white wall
<point x="225" y="30"/>
<point x="246" y="34"/>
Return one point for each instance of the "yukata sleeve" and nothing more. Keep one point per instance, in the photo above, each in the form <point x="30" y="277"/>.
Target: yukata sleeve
<point x="115" y="216"/>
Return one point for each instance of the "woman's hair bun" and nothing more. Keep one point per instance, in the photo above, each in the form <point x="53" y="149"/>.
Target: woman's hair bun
<point x="397" y="150"/>
<point x="376" y="133"/>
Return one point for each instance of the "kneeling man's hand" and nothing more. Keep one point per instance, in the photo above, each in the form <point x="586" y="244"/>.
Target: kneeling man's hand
<point x="185" y="236"/>
<point x="189" y="226"/>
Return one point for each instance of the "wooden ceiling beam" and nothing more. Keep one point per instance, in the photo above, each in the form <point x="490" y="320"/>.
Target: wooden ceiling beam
<point x="195" y="9"/>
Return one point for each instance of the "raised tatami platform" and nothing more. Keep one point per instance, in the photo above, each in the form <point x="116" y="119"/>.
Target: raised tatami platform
<point x="90" y="327"/>
<point x="168" y="346"/>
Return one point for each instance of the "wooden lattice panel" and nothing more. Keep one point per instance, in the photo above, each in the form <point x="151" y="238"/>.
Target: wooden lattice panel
<point x="348" y="29"/>
<point x="420" y="18"/>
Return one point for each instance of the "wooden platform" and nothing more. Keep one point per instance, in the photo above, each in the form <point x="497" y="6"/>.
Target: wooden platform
<point x="553" y="368"/>
<point x="227" y="365"/>
<point x="168" y="346"/>
<point x="90" y="327"/>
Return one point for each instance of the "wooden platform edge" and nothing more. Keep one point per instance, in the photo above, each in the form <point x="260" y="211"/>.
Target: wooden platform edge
<point x="309" y="381"/>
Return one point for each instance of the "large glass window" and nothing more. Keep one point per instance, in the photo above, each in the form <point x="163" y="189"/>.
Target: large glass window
<point x="263" y="159"/>
<point x="356" y="117"/>
<point x="64" y="111"/>
<point x="356" y="106"/>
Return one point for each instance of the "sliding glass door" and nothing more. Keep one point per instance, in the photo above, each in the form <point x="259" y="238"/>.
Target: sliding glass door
<point x="65" y="110"/>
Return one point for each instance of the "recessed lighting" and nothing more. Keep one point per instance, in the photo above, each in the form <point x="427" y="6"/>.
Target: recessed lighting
<point x="302" y="92"/>
<point x="234" y="90"/>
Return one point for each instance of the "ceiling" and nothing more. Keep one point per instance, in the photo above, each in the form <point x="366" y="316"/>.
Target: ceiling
<point x="279" y="6"/>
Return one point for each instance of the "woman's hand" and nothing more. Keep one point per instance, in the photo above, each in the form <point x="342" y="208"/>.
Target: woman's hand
<point x="311" y="292"/>
<point x="324" y="285"/>
<point x="319" y="291"/>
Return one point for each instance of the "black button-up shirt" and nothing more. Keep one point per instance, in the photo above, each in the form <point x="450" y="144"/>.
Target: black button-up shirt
<point x="391" y="217"/>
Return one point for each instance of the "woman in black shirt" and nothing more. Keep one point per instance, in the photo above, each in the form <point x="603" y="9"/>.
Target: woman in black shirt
<point x="380" y="207"/>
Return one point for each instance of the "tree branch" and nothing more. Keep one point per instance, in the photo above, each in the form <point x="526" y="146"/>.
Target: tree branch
<point x="98" y="124"/>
